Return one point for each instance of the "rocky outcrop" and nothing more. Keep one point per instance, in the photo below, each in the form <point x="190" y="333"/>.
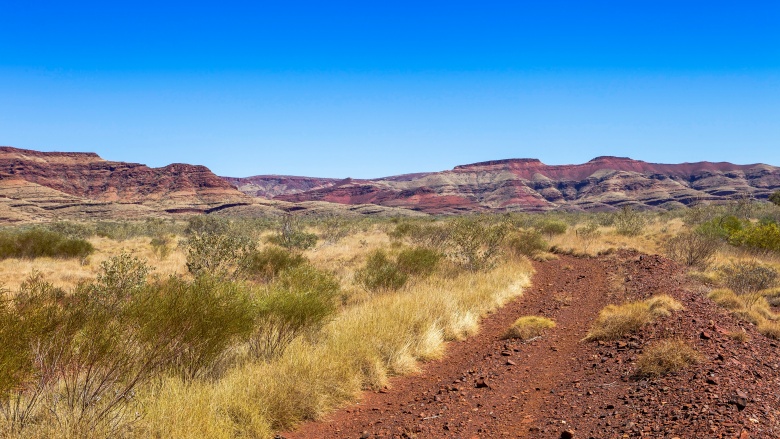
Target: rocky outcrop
<point x="603" y="183"/>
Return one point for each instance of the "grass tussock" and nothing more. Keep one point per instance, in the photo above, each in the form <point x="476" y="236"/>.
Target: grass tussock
<point x="528" y="327"/>
<point x="616" y="321"/>
<point x="769" y="328"/>
<point x="665" y="357"/>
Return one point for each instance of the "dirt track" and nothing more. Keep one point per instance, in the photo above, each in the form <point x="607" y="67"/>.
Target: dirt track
<point x="487" y="387"/>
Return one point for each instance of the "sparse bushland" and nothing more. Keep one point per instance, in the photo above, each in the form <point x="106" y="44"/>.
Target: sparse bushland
<point x="38" y="242"/>
<point x="383" y="273"/>
<point x="528" y="327"/>
<point x="259" y="345"/>
<point x="616" y="321"/>
<point x="664" y="357"/>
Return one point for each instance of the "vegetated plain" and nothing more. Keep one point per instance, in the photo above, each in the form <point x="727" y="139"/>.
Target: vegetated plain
<point x="234" y="327"/>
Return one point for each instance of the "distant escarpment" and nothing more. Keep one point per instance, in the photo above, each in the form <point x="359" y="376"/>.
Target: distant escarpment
<point x="44" y="186"/>
<point x="604" y="183"/>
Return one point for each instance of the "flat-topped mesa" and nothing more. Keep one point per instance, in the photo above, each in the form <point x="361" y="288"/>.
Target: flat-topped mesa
<point x="10" y="153"/>
<point x="499" y="163"/>
<point x="89" y="176"/>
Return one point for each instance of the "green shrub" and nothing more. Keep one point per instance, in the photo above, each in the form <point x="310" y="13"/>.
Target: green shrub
<point x="474" y="243"/>
<point x="291" y="235"/>
<point x="215" y="248"/>
<point x="119" y="278"/>
<point x="526" y="243"/>
<point x="551" y="227"/>
<point x="694" y="249"/>
<point x="418" y="261"/>
<point x="193" y="323"/>
<point x="38" y="242"/>
<point x="265" y="265"/>
<point x="629" y="222"/>
<point x="588" y="234"/>
<point x="745" y="277"/>
<point x="775" y="198"/>
<point x="380" y="273"/>
<point x="299" y="303"/>
<point x="721" y="227"/>
<point x="759" y="237"/>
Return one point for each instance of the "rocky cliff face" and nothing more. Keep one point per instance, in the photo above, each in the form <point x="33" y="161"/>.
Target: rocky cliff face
<point x="56" y="181"/>
<point x="603" y="183"/>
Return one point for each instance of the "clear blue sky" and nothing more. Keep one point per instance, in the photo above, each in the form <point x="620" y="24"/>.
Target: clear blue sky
<point x="375" y="88"/>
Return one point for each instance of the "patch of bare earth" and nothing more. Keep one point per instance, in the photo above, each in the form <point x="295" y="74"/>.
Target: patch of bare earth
<point x="558" y="386"/>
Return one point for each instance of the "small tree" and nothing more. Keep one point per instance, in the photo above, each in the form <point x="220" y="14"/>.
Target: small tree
<point x="775" y="198"/>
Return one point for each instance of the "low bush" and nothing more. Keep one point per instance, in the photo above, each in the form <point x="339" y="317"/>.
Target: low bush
<point x="291" y="235"/>
<point x="418" y="261"/>
<point x="745" y="277"/>
<point x="215" y="248"/>
<point x="616" y="321"/>
<point x="38" y="242"/>
<point x="474" y="243"/>
<point x="380" y="273"/>
<point x="191" y="324"/>
<point x="775" y="198"/>
<point x="526" y="243"/>
<point x="551" y="227"/>
<point x="694" y="249"/>
<point x="664" y="357"/>
<point x="528" y="327"/>
<point x="588" y="234"/>
<point x="265" y="265"/>
<point x="758" y="237"/>
<point x="299" y="303"/>
<point x="629" y="222"/>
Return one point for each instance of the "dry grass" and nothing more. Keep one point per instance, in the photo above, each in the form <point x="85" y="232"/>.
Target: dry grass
<point x="664" y="357"/>
<point x="616" y="321"/>
<point x="370" y="341"/>
<point x="769" y="328"/>
<point x="528" y="327"/>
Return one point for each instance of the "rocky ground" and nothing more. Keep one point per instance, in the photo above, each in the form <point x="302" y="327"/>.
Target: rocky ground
<point x="558" y="386"/>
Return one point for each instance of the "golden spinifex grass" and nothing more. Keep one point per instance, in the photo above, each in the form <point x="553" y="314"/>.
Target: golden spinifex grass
<point x="616" y="321"/>
<point x="666" y="356"/>
<point x="383" y="336"/>
<point x="528" y="327"/>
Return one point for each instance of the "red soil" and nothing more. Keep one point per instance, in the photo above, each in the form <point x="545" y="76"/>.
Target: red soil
<point x="558" y="385"/>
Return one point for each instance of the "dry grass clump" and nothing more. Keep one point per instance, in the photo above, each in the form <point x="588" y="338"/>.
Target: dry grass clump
<point x="666" y="356"/>
<point x="740" y="336"/>
<point x="528" y="327"/>
<point x="616" y="321"/>
<point x="725" y="298"/>
<point x="769" y="328"/>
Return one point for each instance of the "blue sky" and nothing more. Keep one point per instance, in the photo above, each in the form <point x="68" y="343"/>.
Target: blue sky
<point x="368" y="89"/>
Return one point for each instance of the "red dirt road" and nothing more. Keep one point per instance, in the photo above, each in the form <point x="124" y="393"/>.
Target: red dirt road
<point x="557" y="385"/>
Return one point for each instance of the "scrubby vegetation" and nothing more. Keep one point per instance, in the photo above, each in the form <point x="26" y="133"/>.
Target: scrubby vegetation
<point x="229" y="327"/>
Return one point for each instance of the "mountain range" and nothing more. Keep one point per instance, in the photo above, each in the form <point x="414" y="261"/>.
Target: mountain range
<point x="38" y="185"/>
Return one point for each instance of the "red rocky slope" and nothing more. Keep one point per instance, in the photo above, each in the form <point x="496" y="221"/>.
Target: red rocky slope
<point x="529" y="185"/>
